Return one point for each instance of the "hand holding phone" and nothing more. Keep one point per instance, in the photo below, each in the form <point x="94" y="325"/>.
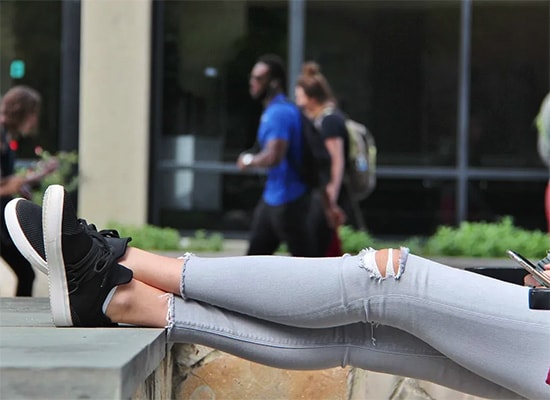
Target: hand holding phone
<point x="537" y="271"/>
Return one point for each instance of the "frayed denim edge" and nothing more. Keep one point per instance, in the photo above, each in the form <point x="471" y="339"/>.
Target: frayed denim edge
<point x="404" y="254"/>
<point x="185" y="259"/>
<point x="171" y="312"/>
<point x="367" y="262"/>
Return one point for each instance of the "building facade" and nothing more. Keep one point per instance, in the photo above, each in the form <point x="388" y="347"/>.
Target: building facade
<point x="154" y="95"/>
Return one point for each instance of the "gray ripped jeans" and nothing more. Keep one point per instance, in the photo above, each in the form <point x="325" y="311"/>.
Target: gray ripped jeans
<point x="432" y="322"/>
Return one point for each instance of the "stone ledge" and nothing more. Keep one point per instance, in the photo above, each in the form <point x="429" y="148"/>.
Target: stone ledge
<point x="38" y="360"/>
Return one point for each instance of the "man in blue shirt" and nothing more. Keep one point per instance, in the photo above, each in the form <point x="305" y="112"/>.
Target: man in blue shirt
<point x="281" y="214"/>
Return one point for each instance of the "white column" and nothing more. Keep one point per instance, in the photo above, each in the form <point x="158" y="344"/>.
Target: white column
<point x="114" y="111"/>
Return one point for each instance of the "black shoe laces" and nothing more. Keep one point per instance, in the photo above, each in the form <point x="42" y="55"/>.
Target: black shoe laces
<point x="112" y="233"/>
<point x="98" y="259"/>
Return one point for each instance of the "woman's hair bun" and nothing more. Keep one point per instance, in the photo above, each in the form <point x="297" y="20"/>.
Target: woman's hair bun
<point x="311" y="68"/>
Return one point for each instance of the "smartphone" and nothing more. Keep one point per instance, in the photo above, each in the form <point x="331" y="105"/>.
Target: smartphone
<point x="536" y="271"/>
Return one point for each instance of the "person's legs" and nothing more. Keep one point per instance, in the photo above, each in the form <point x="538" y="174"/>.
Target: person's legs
<point x="263" y="238"/>
<point x="375" y="348"/>
<point x="481" y="323"/>
<point x="291" y="222"/>
<point x="13" y="257"/>
<point x="139" y="304"/>
<point x="158" y="271"/>
<point x="319" y="232"/>
<point x="20" y="266"/>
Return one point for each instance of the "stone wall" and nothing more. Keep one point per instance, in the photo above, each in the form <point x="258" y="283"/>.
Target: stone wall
<point x="202" y="373"/>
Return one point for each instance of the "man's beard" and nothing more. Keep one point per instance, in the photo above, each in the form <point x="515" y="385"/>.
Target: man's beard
<point x="265" y="93"/>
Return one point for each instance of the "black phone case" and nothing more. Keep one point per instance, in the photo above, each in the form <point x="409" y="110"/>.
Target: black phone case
<point x="539" y="299"/>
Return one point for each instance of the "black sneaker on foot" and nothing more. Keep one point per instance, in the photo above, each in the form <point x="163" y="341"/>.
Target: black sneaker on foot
<point x="24" y="222"/>
<point x="83" y="266"/>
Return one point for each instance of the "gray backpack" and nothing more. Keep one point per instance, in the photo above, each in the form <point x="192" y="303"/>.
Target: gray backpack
<point x="360" y="175"/>
<point x="361" y="163"/>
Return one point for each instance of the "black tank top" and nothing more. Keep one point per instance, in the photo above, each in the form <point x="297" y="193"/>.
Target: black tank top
<point x="7" y="155"/>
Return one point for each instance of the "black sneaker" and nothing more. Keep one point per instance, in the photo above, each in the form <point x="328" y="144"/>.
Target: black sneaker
<point x="24" y="222"/>
<point x="83" y="266"/>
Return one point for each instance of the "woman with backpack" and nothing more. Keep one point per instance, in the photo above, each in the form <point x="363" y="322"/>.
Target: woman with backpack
<point x="314" y="96"/>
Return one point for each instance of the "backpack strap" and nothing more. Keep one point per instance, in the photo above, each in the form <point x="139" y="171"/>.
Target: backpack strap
<point x="318" y="121"/>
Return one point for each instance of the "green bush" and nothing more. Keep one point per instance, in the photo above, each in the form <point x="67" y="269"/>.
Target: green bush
<point x="482" y="239"/>
<point x="65" y="174"/>
<point x="168" y="239"/>
<point x="469" y="239"/>
<point x="354" y="241"/>
<point x="201" y="241"/>
<point x="150" y="237"/>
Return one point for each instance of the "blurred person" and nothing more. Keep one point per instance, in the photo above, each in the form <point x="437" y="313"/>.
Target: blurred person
<point x="314" y="96"/>
<point x="280" y="215"/>
<point x="19" y="112"/>
<point x="543" y="146"/>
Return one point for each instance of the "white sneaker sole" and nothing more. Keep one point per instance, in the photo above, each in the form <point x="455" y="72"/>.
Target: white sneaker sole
<point x="52" y="219"/>
<point x="20" y="240"/>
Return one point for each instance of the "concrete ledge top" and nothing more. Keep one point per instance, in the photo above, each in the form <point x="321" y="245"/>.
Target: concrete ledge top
<point x="38" y="360"/>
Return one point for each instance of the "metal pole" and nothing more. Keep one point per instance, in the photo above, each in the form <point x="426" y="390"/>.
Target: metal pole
<point x="70" y="75"/>
<point x="463" y="111"/>
<point x="157" y="90"/>
<point x="296" y="28"/>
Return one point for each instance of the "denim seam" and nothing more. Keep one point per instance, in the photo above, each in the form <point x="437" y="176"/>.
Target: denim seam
<point x="321" y="343"/>
<point x="456" y="309"/>
<point x="228" y="333"/>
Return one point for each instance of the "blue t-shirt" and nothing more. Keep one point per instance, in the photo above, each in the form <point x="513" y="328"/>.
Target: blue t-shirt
<point x="281" y="120"/>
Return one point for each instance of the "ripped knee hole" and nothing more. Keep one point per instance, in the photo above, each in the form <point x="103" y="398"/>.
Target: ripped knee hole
<point x="388" y="258"/>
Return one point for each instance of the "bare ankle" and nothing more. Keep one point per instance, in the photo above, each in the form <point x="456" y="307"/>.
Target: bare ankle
<point x="120" y="303"/>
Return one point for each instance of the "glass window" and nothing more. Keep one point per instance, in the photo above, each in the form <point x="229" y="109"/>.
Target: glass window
<point x="509" y="79"/>
<point x="408" y="207"/>
<point x="393" y="65"/>
<point x="490" y="200"/>
<point x="210" y="47"/>
<point x="208" y="116"/>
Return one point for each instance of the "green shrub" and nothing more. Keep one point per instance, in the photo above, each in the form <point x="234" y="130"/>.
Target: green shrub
<point x="469" y="239"/>
<point x="354" y="241"/>
<point x="482" y="239"/>
<point x="65" y="174"/>
<point x="150" y="237"/>
<point x="201" y="241"/>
